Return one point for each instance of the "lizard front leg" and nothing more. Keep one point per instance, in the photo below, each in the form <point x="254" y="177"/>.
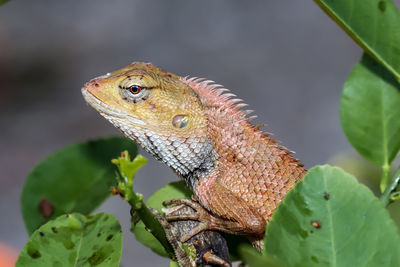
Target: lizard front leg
<point x="219" y="209"/>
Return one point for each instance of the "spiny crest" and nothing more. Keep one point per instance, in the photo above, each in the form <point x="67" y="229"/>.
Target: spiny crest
<point x="224" y="102"/>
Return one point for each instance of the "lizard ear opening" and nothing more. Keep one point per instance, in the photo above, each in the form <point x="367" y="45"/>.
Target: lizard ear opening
<point x="180" y="121"/>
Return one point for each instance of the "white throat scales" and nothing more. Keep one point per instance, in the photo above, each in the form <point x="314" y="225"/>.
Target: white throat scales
<point x="191" y="159"/>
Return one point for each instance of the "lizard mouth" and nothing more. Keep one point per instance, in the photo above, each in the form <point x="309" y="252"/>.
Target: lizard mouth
<point x="107" y="110"/>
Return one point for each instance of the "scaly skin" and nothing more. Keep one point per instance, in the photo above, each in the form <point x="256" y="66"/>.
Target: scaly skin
<point x="238" y="173"/>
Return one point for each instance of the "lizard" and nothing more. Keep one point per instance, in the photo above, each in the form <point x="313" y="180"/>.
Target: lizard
<point x="238" y="173"/>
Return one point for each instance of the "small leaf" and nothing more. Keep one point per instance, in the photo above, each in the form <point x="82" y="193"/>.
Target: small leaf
<point x="330" y="219"/>
<point x="370" y="112"/>
<point x="127" y="167"/>
<point x="75" y="240"/>
<point x="75" y="179"/>
<point x="170" y="191"/>
<point x="373" y="24"/>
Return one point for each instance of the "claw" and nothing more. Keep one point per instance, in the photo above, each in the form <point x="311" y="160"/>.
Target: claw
<point x="213" y="259"/>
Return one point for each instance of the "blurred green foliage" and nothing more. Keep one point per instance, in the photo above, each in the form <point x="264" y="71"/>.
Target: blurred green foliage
<point x="75" y="179"/>
<point x="373" y="24"/>
<point x="331" y="220"/>
<point x="370" y="112"/>
<point x="75" y="240"/>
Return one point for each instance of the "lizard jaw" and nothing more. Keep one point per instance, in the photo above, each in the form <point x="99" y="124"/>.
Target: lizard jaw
<point x="105" y="109"/>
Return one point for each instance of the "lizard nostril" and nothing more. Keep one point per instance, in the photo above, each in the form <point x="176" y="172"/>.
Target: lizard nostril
<point x="96" y="85"/>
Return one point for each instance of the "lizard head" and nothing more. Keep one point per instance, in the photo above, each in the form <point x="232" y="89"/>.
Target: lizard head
<point x="143" y="96"/>
<point x="156" y="108"/>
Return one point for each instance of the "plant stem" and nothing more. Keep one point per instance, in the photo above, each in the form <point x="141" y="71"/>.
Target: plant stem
<point x="127" y="169"/>
<point x="385" y="177"/>
<point x="150" y="221"/>
<point x="391" y="192"/>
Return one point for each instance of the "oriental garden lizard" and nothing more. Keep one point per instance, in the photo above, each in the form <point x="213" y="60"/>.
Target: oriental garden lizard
<point x="238" y="173"/>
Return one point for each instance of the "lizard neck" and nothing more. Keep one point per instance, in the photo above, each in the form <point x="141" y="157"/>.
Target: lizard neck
<point x="191" y="158"/>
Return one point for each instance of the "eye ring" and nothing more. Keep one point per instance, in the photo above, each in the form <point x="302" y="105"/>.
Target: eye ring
<point x="135" y="89"/>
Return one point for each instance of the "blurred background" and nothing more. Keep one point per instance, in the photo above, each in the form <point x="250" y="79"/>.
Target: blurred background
<point x="286" y="59"/>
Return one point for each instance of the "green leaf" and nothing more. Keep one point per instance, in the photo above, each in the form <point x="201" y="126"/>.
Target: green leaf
<point x="370" y="112"/>
<point x="255" y="259"/>
<point x="3" y="1"/>
<point x="75" y="179"/>
<point x="170" y="191"/>
<point x="75" y="240"/>
<point x="235" y="244"/>
<point x="330" y="219"/>
<point x="373" y="24"/>
<point x="173" y="264"/>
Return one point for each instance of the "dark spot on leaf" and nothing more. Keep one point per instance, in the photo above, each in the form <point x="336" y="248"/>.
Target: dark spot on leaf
<point x="305" y="210"/>
<point x="45" y="207"/>
<point x="327" y="196"/>
<point x="316" y="224"/>
<point x="303" y="234"/>
<point x="68" y="244"/>
<point x="98" y="234"/>
<point x="33" y="253"/>
<point x="382" y="6"/>
<point x="41" y="234"/>
<point x="54" y="230"/>
<point x="98" y="257"/>
<point x="105" y="218"/>
<point x="109" y="237"/>
<point x="314" y="259"/>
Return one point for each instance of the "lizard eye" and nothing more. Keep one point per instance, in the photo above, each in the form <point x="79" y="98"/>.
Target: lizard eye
<point x="135" y="89"/>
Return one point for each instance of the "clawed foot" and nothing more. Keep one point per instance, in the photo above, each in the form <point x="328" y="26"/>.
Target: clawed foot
<point x="211" y="258"/>
<point x="201" y="215"/>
